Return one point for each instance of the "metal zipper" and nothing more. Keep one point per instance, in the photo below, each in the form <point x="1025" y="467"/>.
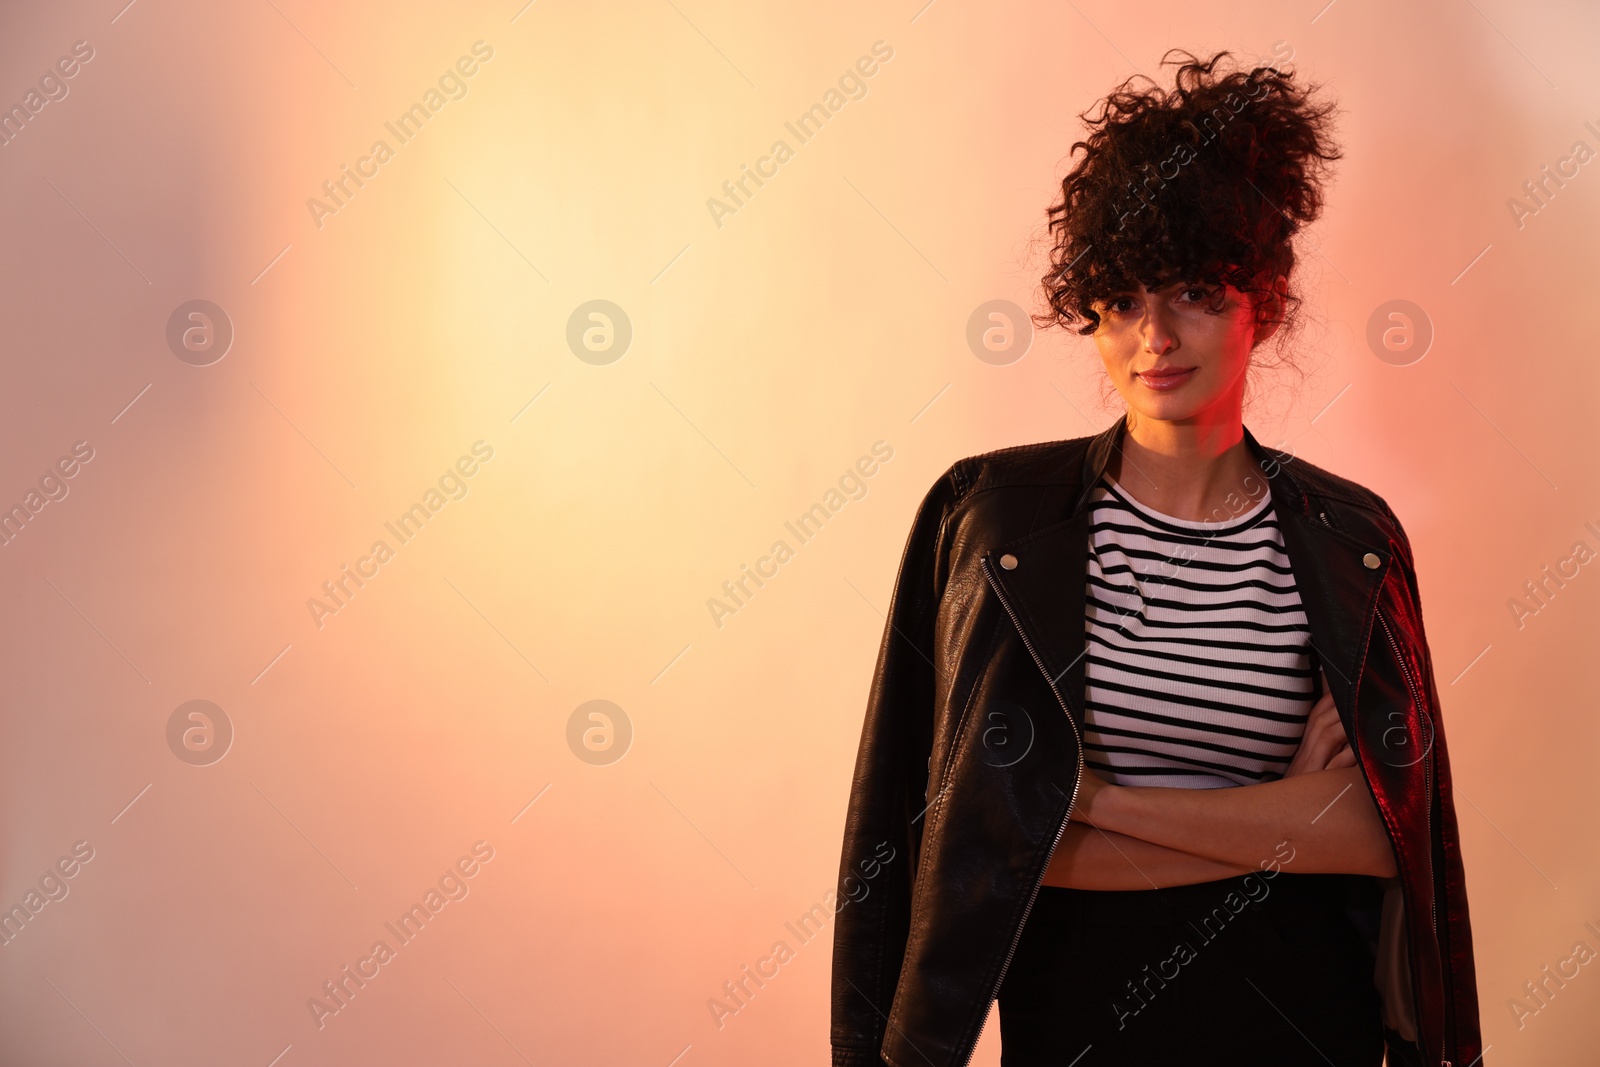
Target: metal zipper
<point x="1427" y="778"/>
<point x="1060" y="830"/>
<point x="1427" y="773"/>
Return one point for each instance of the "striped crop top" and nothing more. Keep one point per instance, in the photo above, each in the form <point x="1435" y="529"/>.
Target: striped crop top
<point x="1200" y="671"/>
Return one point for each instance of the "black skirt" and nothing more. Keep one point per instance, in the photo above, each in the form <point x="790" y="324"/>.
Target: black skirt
<point x="1245" y="970"/>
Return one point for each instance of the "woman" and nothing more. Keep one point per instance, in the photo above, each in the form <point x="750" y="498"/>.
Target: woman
<point x="1154" y="733"/>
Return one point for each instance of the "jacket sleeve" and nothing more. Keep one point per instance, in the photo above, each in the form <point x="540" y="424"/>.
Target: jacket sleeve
<point x="1461" y="973"/>
<point x="883" y="824"/>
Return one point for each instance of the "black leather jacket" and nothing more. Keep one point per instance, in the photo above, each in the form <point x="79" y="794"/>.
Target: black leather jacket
<point x="986" y="632"/>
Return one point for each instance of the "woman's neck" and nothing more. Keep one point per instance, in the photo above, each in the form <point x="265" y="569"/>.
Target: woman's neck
<point x="1189" y="470"/>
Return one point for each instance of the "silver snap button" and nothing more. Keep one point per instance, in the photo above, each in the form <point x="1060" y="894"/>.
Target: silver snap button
<point x="1008" y="561"/>
<point x="1371" y="560"/>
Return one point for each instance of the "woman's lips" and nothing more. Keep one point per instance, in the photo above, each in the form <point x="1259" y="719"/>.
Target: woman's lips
<point x="1165" y="380"/>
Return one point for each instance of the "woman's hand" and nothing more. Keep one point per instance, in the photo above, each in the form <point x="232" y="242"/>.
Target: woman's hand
<point x="1324" y="746"/>
<point x="1244" y="825"/>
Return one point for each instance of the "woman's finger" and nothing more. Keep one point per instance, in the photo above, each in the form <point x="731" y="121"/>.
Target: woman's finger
<point x="1346" y="757"/>
<point x="1327" y="744"/>
<point x="1321" y="740"/>
<point x="1320" y="725"/>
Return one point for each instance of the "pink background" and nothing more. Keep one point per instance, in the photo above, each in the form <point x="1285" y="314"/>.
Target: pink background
<point x="768" y="354"/>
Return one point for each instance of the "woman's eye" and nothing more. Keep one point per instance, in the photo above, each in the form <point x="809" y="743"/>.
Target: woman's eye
<point x="1204" y="293"/>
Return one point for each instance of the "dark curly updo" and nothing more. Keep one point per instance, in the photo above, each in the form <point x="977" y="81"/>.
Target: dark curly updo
<point x="1208" y="182"/>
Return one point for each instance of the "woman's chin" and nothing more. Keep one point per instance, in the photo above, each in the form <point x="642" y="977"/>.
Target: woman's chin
<point x="1169" y="408"/>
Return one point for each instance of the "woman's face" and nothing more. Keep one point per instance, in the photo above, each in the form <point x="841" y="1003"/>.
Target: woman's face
<point x="1174" y="359"/>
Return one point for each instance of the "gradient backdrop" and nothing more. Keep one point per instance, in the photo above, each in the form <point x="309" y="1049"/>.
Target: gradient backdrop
<point x="632" y="456"/>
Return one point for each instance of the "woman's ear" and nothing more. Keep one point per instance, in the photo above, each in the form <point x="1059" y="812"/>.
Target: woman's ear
<point x="1269" y="309"/>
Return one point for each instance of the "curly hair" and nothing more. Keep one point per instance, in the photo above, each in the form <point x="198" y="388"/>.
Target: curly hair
<point x="1208" y="182"/>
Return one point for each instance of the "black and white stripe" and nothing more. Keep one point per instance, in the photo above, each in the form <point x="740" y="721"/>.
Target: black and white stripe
<point x="1199" y="670"/>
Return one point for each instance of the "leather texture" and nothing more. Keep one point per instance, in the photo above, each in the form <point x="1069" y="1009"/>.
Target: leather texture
<point x="971" y="750"/>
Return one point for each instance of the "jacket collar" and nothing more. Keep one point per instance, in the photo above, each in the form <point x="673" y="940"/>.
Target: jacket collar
<point x="1097" y="457"/>
<point x="1043" y="586"/>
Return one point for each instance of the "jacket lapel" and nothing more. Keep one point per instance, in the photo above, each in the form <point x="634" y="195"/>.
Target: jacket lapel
<point x="1339" y="594"/>
<point x="1045" y="583"/>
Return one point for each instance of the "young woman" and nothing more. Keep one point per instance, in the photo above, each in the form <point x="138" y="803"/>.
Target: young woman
<point x="1153" y="743"/>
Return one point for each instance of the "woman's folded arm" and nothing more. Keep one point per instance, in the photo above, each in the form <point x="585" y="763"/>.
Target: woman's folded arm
<point x="1091" y="858"/>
